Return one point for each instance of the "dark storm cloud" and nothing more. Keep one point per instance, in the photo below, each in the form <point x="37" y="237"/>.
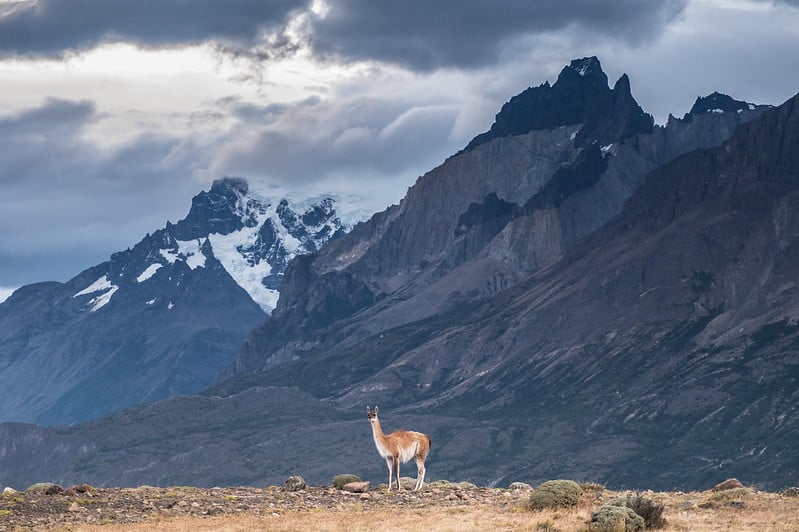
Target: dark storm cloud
<point x="309" y="140"/>
<point x="425" y="35"/>
<point x="54" y="27"/>
<point x="418" y="34"/>
<point x="67" y="201"/>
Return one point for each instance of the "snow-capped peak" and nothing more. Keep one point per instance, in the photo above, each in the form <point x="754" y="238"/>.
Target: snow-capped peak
<point x="270" y="235"/>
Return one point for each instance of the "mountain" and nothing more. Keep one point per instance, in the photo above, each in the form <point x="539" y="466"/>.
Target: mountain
<point x="482" y="221"/>
<point x="160" y="319"/>
<point x="609" y="304"/>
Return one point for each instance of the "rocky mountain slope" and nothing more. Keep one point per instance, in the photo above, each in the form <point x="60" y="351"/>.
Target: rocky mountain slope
<point x="486" y="218"/>
<point x="542" y="304"/>
<point x="160" y="319"/>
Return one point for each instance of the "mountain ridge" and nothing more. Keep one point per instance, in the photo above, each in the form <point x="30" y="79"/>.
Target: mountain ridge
<point x="569" y="309"/>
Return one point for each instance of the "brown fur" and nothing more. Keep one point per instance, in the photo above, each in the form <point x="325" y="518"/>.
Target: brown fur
<point x="400" y="446"/>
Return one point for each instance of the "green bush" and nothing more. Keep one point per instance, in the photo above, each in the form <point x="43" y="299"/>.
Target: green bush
<point x="47" y="488"/>
<point x="615" y="519"/>
<point x="555" y="494"/>
<point x="339" y="481"/>
<point x="651" y="511"/>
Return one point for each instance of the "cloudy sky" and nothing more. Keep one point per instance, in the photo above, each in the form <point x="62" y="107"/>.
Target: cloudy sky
<point x="114" y="113"/>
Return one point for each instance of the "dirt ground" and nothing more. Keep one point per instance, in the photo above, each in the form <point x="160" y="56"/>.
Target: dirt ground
<point x="440" y="506"/>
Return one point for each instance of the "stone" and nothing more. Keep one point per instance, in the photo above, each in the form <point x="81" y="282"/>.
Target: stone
<point x="520" y="486"/>
<point x="9" y="491"/>
<point x="80" y="489"/>
<point x="356" y="487"/>
<point x="790" y="492"/>
<point x="730" y="483"/>
<point x="294" y="483"/>
<point x="75" y="507"/>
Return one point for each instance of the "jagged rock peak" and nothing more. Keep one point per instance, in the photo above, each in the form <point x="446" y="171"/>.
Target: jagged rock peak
<point x="225" y="184"/>
<point x="719" y="103"/>
<point x="579" y="96"/>
<point x="588" y="68"/>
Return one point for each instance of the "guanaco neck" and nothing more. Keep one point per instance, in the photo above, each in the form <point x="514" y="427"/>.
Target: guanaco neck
<point x="377" y="432"/>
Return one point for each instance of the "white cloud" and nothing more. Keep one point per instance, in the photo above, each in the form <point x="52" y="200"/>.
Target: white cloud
<point x="5" y="293"/>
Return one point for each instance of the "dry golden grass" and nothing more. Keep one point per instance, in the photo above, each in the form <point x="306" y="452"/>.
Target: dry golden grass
<point x="738" y="510"/>
<point x="478" y="517"/>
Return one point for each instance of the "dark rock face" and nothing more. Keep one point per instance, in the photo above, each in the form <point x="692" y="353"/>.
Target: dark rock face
<point x="719" y="103"/>
<point x="579" y="96"/>
<point x="477" y="224"/>
<point x="215" y="211"/>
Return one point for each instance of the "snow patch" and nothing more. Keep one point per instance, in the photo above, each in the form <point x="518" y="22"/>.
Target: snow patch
<point x="170" y="306"/>
<point x="102" y="300"/>
<point x="716" y="111"/>
<point x="607" y="148"/>
<point x="149" y="272"/>
<point x="151" y="302"/>
<point x="227" y="250"/>
<point x="100" y="285"/>
<point x="188" y="251"/>
<point x="97" y="286"/>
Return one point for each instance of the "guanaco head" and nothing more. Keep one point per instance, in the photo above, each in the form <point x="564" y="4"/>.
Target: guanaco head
<point x="372" y="414"/>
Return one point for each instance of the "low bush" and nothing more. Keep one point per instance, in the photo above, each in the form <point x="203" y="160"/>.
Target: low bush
<point x="592" y="486"/>
<point x="339" y="481"/>
<point x="649" y="510"/>
<point x="615" y="519"/>
<point x="555" y="494"/>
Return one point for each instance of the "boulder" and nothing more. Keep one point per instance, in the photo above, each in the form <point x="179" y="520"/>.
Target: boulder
<point x="294" y="483"/>
<point x="730" y="483"/>
<point x="356" y="487"/>
<point x="80" y="489"/>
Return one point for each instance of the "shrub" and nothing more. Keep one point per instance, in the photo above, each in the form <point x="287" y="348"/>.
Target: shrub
<point x="732" y="497"/>
<point x="555" y="494"/>
<point x="615" y="519"/>
<point x="340" y="480"/>
<point x="592" y="486"/>
<point x="649" y="510"/>
<point x="47" y="488"/>
<point x="790" y="492"/>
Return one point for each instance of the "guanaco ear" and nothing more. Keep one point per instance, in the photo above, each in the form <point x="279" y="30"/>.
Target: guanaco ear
<point x="375" y="409"/>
